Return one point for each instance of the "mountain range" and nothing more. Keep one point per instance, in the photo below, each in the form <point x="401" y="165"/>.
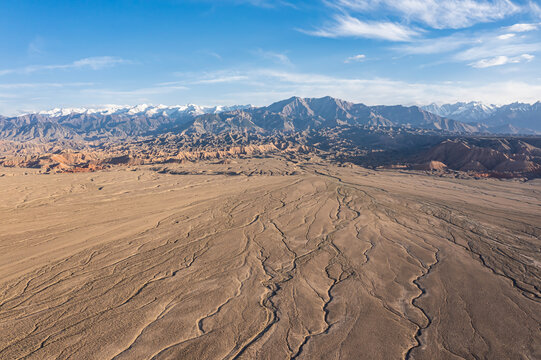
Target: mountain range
<point x="142" y="110"/>
<point x="516" y="118"/>
<point x="288" y="116"/>
<point x="291" y="115"/>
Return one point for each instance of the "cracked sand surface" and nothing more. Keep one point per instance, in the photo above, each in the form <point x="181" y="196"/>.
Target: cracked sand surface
<point x="324" y="263"/>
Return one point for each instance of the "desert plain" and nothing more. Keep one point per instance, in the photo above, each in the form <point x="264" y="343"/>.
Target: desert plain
<point x="268" y="258"/>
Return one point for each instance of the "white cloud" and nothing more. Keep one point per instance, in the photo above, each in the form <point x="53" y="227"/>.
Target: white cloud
<point x="355" y="58"/>
<point x="506" y="36"/>
<point x="348" y="26"/>
<point x="438" y="14"/>
<point x="495" y="61"/>
<point x="502" y="60"/>
<point x="522" y="27"/>
<point x="94" y="63"/>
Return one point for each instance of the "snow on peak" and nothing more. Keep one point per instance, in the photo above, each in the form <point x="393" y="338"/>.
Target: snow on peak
<point x="138" y="109"/>
<point x="471" y="111"/>
<point x="142" y="110"/>
<point x="56" y="112"/>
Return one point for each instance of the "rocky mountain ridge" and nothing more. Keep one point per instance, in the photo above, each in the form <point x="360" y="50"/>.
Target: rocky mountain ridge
<point x="290" y="115"/>
<point x="515" y="118"/>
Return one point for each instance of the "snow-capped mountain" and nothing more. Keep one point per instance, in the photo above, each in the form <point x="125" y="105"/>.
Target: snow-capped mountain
<point x="516" y="118"/>
<point x="112" y="121"/>
<point x="469" y="112"/>
<point x="142" y="109"/>
<point x="290" y="115"/>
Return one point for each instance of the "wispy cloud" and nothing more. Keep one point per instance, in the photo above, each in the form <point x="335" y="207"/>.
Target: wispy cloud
<point x="210" y="53"/>
<point x="263" y="86"/>
<point x="26" y="97"/>
<point x="277" y="57"/>
<point x="94" y="63"/>
<point x="267" y="85"/>
<point x="221" y="79"/>
<point x="204" y="78"/>
<point x="42" y="85"/>
<point x="491" y="49"/>
<point x="437" y="14"/>
<point x="215" y="55"/>
<point x="36" y="46"/>
<point x="502" y="60"/>
<point x="437" y="45"/>
<point x="479" y="50"/>
<point x="132" y="94"/>
<point x="349" y="26"/>
<point x="355" y="58"/>
<point x="534" y="8"/>
<point x="272" y="3"/>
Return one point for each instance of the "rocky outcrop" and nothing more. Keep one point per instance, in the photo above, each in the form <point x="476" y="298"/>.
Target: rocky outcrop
<point x="504" y="156"/>
<point x="52" y="159"/>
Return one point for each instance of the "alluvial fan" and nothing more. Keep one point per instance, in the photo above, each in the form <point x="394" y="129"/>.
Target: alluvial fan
<point x="323" y="262"/>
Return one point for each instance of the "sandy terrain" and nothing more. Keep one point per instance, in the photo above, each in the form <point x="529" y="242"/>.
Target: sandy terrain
<point x="267" y="259"/>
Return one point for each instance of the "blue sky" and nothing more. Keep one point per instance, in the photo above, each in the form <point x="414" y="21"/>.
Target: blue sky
<point x="89" y="53"/>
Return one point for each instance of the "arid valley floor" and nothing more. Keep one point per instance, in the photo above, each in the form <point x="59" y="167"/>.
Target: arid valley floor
<point x="268" y="259"/>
